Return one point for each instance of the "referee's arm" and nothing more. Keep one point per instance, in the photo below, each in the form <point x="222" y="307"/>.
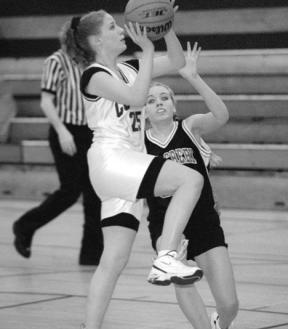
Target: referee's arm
<point x="65" y="137"/>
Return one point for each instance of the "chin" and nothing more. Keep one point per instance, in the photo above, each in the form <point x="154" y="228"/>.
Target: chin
<point x="122" y="49"/>
<point x="124" y="46"/>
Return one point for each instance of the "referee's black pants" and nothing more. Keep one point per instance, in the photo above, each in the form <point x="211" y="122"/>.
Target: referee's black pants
<point x="74" y="181"/>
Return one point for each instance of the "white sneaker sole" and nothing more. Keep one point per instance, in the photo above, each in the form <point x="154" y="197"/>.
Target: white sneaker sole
<point x="164" y="279"/>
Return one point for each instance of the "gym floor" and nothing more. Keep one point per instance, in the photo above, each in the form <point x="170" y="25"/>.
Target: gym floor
<point x="49" y="289"/>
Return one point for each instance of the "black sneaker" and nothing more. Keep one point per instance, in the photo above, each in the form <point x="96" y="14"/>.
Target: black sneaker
<point x="22" y="242"/>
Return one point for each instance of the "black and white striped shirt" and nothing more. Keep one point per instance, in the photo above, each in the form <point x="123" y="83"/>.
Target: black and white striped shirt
<point x="61" y="77"/>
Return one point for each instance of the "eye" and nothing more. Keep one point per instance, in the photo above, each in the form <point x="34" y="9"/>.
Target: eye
<point x="165" y="98"/>
<point x="151" y="101"/>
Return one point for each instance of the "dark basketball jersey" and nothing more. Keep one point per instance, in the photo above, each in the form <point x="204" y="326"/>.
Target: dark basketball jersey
<point x="180" y="147"/>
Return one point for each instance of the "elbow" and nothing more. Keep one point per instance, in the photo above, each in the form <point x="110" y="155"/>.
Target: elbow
<point x="137" y="100"/>
<point x="42" y="105"/>
<point x="177" y="63"/>
<point x="180" y="63"/>
<point x="224" y="116"/>
<point x="45" y="104"/>
<point x="140" y="103"/>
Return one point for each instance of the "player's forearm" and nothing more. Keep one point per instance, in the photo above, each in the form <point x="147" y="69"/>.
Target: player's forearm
<point x="50" y="112"/>
<point x="174" y="50"/>
<point x="212" y="100"/>
<point x="140" y="88"/>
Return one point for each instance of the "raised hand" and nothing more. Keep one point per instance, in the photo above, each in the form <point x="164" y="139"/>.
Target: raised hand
<point x="139" y="36"/>
<point x="174" y="8"/>
<point x="190" y="68"/>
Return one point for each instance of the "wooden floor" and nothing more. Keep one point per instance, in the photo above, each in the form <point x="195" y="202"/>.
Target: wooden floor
<point x="48" y="291"/>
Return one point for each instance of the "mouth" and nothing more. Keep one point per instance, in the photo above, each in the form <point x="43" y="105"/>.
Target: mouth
<point x="161" y="110"/>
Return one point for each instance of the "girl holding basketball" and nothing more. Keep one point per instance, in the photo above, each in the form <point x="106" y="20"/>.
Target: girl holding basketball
<point x="120" y="171"/>
<point x="181" y="140"/>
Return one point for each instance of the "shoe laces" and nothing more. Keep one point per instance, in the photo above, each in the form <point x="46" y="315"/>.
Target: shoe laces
<point x="180" y="254"/>
<point x="171" y="253"/>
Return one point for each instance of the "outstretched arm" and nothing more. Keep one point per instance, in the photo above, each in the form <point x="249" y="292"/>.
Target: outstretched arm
<point x="203" y="123"/>
<point x="174" y="59"/>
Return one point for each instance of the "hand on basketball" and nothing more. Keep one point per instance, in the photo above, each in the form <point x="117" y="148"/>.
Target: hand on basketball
<point x="190" y="69"/>
<point x="174" y="8"/>
<point x="139" y="36"/>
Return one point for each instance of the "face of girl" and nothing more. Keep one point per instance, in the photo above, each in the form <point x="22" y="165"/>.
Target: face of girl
<point x="159" y="105"/>
<point x="112" y="35"/>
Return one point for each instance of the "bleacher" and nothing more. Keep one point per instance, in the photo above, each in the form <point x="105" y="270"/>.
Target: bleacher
<point x="244" y="59"/>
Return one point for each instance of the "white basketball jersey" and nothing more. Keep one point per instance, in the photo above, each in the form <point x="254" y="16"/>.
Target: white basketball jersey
<point x="111" y="122"/>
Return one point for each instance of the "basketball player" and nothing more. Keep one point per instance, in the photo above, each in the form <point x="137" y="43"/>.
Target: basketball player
<point x="181" y="141"/>
<point x="121" y="173"/>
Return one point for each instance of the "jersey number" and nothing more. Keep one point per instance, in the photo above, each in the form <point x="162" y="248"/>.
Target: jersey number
<point x="136" y="121"/>
<point x="135" y="116"/>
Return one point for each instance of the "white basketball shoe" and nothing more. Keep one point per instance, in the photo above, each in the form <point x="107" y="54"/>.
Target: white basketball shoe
<point x="168" y="268"/>
<point x="215" y="321"/>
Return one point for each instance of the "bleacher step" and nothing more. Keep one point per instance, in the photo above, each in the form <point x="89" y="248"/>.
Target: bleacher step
<point x="235" y="156"/>
<point x="237" y="189"/>
<point x="221" y="84"/>
<point x="255" y="71"/>
<point x="232" y="83"/>
<point x="240" y="106"/>
<point x="270" y="131"/>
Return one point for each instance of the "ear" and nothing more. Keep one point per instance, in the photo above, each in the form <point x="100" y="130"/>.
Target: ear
<point x="98" y="41"/>
<point x="94" y="41"/>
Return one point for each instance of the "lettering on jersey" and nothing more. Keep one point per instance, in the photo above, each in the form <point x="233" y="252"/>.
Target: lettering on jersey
<point x="136" y="120"/>
<point x="120" y="109"/>
<point x="182" y="155"/>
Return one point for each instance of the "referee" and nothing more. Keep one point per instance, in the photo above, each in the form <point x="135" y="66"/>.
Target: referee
<point x="69" y="139"/>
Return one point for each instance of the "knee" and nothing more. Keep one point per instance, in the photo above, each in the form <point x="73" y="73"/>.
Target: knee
<point x="113" y="263"/>
<point x="194" y="179"/>
<point x="69" y="195"/>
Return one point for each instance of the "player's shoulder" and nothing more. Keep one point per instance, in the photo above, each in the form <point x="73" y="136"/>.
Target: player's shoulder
<point x="94" y="68"/>
<point x="91" y="70"/>
<point x="87" y="75"/>
<point x="131" y="64"/>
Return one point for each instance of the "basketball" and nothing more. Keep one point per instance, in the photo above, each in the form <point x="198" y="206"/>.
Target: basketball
<point x="157" y="16"/>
